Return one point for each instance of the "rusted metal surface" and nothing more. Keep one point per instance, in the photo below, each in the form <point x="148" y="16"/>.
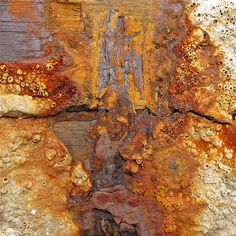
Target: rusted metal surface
<point x="35" y="89"/>
<point x="127" y="114"/>
<point x="107" y="49"/>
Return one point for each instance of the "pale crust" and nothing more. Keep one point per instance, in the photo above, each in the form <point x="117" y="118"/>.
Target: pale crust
<point x="37" y="176"/>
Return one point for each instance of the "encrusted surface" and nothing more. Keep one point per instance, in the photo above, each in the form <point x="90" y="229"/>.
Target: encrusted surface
<point x="37" y="176"/>
<point x="142" y="95"/>
<point x="197" y="189"/>
<point x="98" y="52"/>
<point x="204" y="79"/>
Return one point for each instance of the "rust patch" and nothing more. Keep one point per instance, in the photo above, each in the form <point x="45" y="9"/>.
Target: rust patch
<point x="197" y="64"/>
<point x="165" y="169"/>
<point x="41" y="80"/>
<point x="115" y="54"/>
<point x="166" y="177"/>
<point x="197" y="72"/>
<point x="16" y="11"/>
<point x="200" y="80"/>
<point x="147" y="174"/>
<point x="228" y="137"/>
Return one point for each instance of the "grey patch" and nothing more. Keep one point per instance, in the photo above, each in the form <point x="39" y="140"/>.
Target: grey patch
<point x="73" y="136"/>
<point x="110" y="175"/>
<point x="16" y="42"/>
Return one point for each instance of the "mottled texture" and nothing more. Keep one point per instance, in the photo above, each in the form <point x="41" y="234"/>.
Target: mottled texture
<point x="141" y="95"/>
<point x="204" y="79"/>
<point x="37" y="176"/>
<point x="22" y="30"/>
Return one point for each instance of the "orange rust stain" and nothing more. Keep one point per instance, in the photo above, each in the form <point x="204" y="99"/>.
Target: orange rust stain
<point x="28" y="12"/>
<point x="18" y="10"/>
<point x="175" y="175"/>
<point x="56" y="179"/>
<point x="106" y="39"/>
<point x="198" y="83"/>
<point x="49" y="180"/>
<point x="168" y="131"/>
<point x="197" y="64"/>
<point x="203" y="145"/>
<point x="112" y="125"/>
<point x="228" y="135"/>
<point x="197" y="72"/>
<point x="166" y="179"/>
<point x="43" y="78"/>
<point x="134" y="57"/>
<point x="162" y="29"/>
<point x="134" y="146"/>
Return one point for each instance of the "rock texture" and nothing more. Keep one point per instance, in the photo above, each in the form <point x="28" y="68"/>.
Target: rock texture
<point x="117" y="118"/>
<point x="37" y="175"/>
<point x="204" y="80"/>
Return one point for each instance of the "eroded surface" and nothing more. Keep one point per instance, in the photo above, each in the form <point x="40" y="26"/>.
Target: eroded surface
<point x="204" y="80"/>
<point x="153" y="153"/>
<point x="37" y="176"/>
<point x="110" y="50"/>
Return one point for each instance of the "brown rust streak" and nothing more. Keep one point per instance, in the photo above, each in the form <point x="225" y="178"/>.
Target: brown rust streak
<point x="165" y="179"/>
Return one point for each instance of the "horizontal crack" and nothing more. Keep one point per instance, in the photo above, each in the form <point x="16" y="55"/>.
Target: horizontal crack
<point x="209" y="118"/>
<point x="84" y="108"/>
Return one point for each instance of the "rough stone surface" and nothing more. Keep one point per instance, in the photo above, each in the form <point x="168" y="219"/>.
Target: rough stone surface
<point x="204" y="79"/>
<point x="36" y="176"/>
<point x="117" y="118"/>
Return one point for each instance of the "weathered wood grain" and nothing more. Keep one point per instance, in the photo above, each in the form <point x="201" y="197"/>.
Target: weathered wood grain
<point x="22" y="33"/>
<point x="73" y="135"/>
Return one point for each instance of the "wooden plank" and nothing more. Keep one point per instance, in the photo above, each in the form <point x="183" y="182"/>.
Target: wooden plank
<point x="73" y="136"/>
<point x="22" y="30"/>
